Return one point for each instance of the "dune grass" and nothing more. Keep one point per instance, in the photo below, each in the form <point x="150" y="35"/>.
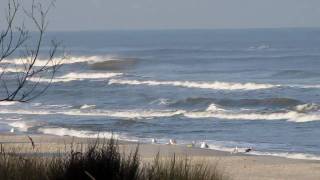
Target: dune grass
<point x="102" y="161"/>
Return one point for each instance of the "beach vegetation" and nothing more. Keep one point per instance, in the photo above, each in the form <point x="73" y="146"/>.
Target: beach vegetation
<point x="102" y="161"/>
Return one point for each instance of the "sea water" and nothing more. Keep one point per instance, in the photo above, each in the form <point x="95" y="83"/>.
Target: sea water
<point x="255" y="88"/>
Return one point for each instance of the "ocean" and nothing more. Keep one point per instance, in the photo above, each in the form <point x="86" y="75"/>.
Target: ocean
<point x="256" y="88"/>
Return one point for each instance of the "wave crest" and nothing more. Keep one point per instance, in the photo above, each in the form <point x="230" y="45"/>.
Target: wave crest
<point x="289" y="116"/>
<point x="76" y="77"/>
<point x="201" y="85"/>
<point x="303" y="108"/>
<point x="68" y="60"/>
<point x="22" y="126"/>
<point x="77" y="133"/>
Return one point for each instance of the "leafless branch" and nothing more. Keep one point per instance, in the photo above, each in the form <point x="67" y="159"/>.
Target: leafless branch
<point x="14" y="38"/>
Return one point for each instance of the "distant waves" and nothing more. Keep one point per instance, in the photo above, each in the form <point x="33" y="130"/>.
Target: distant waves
<point x="76" y="77"/>
<point x="299" y="113"/>
<point x="201" y="85"/>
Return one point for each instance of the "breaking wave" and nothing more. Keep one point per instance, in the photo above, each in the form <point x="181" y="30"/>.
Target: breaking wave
<point x="69" y="60"/>
<point x="7" y="103"/>
<point x="76" y="133"/>
<point x="303" y="108"/>
<point x="129" y="114"/>
<point x="76" y="77"/>
<point x="21" y="126"/>
<point x="215" y="108"/>
<point x="11" y="70"/>
<point x="299" y="113"/>
<point x="126" y="114"/>
<point x="214" y="112"/>
<point x="86" y="106"/>
<point x="202" y="85"/>
<point x="26" y="112"/>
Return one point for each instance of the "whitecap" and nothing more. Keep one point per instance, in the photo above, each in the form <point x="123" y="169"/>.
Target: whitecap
<point x="26" y="112"/>
<point x="307" y="107"/>
<point x="86" y="106"/>
<point x="75" y="77"/>
<point x="131" y="114"/>
<point x="77" y="133"/>
<point x="11" y="70"/>
<point x="289" y="116"/>
<point x="215" y="108"/>
<point x="22" y="126"/>
<point x="201" y="85"/>
<point x="68" y="60"/>
<point x="8" y="103"/>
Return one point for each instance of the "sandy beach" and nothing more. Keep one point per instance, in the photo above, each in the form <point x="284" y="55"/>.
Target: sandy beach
<point x="237" y="166"/>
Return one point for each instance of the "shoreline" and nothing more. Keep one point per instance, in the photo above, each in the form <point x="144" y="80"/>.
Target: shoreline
<point x="237" y="166"/>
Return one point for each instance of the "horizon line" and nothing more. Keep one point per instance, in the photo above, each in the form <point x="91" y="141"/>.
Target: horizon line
<point x="185" y="29"/>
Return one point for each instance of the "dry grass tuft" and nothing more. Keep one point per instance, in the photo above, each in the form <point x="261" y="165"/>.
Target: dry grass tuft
<point x="101" y="161"/>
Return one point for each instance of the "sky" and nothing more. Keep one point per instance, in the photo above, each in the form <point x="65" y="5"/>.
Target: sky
<point x="82" y="15"/>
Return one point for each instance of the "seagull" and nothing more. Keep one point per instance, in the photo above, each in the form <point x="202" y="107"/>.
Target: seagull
<point x="12" y="130"/>
<point x="204" y="145"/>
<point x="235" y="150"/>
<point x="154" y="141"/>
<point x="172" y="142"/>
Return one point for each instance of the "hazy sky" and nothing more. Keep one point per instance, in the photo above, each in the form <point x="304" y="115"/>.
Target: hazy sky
<point x="163" y="14"/>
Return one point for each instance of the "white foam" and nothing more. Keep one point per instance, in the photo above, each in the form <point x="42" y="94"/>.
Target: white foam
<point x="212" y="111"/>
<point x="215" y="108"/>
<point x="77" y="133"/>
<point x="133" y="114"/>
<point x="22" y="126"/>
<point x="202" y="85"/>
<point x="68" y="60"/>
<point x="26" y="112"/>
<point x="288" y="155"/>
<point x="86" y="106"/>
<point x="76" y="77"/>
<point x="128" y="114"/>
<point x="11" y="70"/>
<point x="304" y="156"/>
<point x="307" y="107"/>
<point x="289" y="116"/>
<point x="89" y="75"/>
<point x="7" y="103"/>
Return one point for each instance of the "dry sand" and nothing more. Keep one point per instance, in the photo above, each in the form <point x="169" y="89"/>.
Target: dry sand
<point x="242" y="167"/>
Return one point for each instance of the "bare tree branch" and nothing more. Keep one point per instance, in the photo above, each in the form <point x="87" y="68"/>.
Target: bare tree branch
<point x="13" y="38"/>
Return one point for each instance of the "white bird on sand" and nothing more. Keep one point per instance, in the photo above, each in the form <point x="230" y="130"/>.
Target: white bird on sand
<point x="172" y="142"/>
<point x="204" y="145"/>
<point x="154" y="141"/>
<point x="235" y="150"/>
<point x="12" y="130"/>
